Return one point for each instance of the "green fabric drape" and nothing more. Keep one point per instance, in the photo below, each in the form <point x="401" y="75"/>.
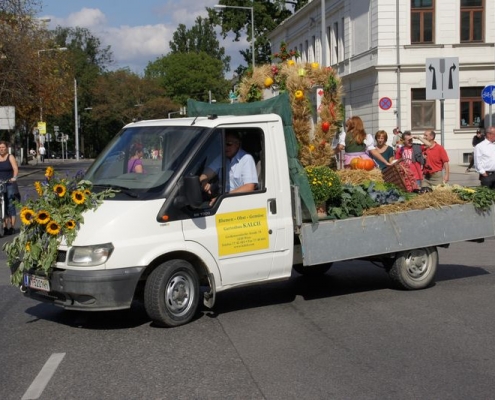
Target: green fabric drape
<point x="279" y="105"/>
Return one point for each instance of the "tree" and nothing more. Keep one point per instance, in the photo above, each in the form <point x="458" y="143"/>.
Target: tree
<point x="33" y="73"/>
<point x="88" y="60"/>
<point x="189" y="75"/>
<point x="200" y="38"/>
<point x="267" y="16"/>
<point x="120" y="97"/>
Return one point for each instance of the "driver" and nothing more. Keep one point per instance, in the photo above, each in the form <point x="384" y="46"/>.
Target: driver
<point x="242" y="174"/>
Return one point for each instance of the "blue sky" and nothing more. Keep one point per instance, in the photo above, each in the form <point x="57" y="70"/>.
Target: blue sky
<point x="137" y="31"/>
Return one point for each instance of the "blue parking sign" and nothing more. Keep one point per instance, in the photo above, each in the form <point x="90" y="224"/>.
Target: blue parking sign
<point x="488" y="94"/>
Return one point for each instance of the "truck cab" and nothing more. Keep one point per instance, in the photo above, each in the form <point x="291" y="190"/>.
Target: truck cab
<point x="163" y="237"/>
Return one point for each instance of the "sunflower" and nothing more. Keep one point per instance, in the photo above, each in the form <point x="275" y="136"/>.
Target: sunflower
<point x="39" y="189"/>
<point x="53" y="228"/>
<point x="27" y="247"/>
<point x="60" y="190"/>
<point x="27" y="216"/>
<point x="43" y="217"/>
<point x="70" y="224"/>
<point x="78" y="197"/>
<point x="87" y="192"/>
<point x="49" y="173"/>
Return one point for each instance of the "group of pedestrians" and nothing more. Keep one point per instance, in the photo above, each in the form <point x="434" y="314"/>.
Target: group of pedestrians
<point x="427" y="161"/>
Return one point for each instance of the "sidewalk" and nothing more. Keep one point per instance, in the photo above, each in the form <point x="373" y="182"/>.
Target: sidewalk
<point x="459" y="176"/>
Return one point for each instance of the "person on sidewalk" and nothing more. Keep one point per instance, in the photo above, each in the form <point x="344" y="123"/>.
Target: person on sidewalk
<point x="42" y="152"/>
<point x="436" y="169"/>
<point x="484" y="159"/>
<point x="477" y="138"/>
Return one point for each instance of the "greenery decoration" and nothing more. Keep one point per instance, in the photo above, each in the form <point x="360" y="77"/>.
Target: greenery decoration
<point x="482" y="197"/>
<point x="54" y="216"/>
<point x="324" y="183"/>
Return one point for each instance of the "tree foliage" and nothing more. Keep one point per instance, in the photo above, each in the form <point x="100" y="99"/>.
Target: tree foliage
<point x="120" y="97"/>
<point x="268" y="14"/>
<point x="200" y="38"/>
<point x="33" y="73"/>
<point x="189" y="75"/>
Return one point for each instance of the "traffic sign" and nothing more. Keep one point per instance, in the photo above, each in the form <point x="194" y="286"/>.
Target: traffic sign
<point x="488" y="94"/>
<point x="42" y="127"/>
<point x="442" y="78"/>
<point x="385" y="103"/>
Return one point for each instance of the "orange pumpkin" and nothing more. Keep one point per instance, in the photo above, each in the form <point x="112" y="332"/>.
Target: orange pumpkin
<point x="360" y="163"/>
<point x="368" y="164"/>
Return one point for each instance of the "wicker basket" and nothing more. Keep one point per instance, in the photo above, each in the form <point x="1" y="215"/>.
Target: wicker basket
<point x="400" y="175"/>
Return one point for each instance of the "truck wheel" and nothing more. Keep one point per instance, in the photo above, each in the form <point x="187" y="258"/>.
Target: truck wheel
<point x="415" y="269"/>
<point x="313" y="270"/>
<point x="171" y="295"/>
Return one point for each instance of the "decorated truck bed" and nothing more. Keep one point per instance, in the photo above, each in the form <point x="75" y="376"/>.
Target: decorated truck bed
<point x="367" y="236"/>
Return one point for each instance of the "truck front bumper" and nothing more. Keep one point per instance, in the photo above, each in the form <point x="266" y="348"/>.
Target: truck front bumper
<point x="90" y="290"/>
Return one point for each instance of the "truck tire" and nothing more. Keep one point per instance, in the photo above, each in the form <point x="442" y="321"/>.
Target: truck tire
<point x="415" y="269"/>
<point x="171" y="294"/>
<point x="314" y="270"/>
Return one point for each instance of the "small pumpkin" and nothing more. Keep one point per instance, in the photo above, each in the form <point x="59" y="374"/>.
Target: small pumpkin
<point x="268" y="81"/>
<point x="290" y="63"/>
<point x="299" y="94"/>
<point x="315" y="65"/>
<point x="360" y="163"/>
<point x="368" y="164"/>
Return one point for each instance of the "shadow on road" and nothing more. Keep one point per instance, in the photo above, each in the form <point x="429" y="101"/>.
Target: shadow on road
<point x="104" y="320"/>
<point x="345" y="278"/>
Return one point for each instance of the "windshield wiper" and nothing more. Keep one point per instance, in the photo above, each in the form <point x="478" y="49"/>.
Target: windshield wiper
<point x="121" y="189"/>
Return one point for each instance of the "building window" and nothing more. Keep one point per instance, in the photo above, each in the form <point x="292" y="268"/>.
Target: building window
<point x="313" y="50"/>
<point x="472" y="16"/>
<point x="337" y="40"/>
<point x="422" y="110"/>
<point x="472" y="110"/>
<point x="422" y="21"/>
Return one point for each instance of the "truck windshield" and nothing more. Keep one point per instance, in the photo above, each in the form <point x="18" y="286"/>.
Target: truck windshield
<point x="141" y="160"/>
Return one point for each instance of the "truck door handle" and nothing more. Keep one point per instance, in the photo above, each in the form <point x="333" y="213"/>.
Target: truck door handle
<point x="272" y="206"/>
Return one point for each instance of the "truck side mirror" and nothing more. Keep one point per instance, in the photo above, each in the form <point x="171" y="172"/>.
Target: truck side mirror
<point x="192" y="191"/>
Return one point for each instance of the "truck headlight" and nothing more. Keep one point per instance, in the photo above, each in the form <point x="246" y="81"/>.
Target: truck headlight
<point x="89" y="256"/>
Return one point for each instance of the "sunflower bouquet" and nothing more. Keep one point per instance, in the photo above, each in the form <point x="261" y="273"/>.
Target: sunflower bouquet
<point x="54" y="216"/>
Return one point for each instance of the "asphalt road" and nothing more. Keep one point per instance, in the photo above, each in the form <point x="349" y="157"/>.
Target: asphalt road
<point x="346" y="335"/>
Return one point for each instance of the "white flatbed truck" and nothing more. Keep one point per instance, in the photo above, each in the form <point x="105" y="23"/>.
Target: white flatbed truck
<point x="159" y="240"/>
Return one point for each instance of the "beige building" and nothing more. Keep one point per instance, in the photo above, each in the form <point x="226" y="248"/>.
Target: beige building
<point x="380" y="50"/>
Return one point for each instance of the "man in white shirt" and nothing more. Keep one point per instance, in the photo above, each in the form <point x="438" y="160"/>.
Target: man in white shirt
<point x="242" y="174"/>
<point x="484" y="159"/>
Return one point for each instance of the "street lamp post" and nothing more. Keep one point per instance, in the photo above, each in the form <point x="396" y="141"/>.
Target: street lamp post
<point x="219" y="6"/>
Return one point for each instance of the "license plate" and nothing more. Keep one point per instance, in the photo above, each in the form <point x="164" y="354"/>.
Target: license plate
<point x="36" y="282"/>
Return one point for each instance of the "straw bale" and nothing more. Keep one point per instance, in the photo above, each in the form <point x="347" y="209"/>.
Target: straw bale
<point x="434" y="199"/>
<point x="359" y="176"/>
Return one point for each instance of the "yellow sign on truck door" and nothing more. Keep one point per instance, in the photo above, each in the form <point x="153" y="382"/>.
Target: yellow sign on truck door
<point x="242" y="231"/>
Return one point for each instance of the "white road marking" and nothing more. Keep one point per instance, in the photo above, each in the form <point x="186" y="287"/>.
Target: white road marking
<point x="34" y="391"/>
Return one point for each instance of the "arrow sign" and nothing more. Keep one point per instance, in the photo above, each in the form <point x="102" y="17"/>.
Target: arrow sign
<point x="488" y="94"/>
<point x="442" y="78"/>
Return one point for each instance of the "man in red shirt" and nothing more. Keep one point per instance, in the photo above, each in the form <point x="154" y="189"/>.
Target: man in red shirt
<point x="437" y="161"/>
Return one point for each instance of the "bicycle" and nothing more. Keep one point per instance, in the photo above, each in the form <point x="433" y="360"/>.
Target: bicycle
<point x="3" y="192"/>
